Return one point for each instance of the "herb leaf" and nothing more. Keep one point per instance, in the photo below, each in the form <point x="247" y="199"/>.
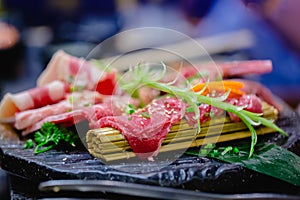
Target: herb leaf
<point x="130" y="109"/>
<point x="145" y="114"/>
<point x="268" y="159"/>
<point x="28" y="144"/>
<point x="50" y="135"/>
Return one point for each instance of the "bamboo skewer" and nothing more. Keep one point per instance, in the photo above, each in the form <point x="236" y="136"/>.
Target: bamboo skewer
<point x="109" y="144"/>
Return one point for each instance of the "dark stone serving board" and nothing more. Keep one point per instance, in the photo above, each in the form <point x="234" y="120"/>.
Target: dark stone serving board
<point x="187" y="172"/>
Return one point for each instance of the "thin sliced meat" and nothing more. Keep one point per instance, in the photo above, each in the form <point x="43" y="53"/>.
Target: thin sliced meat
<point x="229" y="69"/>
<point x="67" y="119"/>
<point x="252" y="87"/>
<point x="206" y="113"/>
<point x="251" y="103"/>
<point x="28" y="118"/>
<point x="62" y="66"/>
<point x="173" y="108"/>
<point x="107" y="84"/>
<point x="248" y="67"/>
<point x="144" y="135"/>
<point x="85" y="98"/>
<point x="146" y="129"/>
<point x="57" y="69"/>
<point x="91" y="113"/>
<point x="72" y="101"/>
<point x="147" y="94"/>
<point x="95" y="113"/>
<point x="33" y="98"/>
<point x="78" y="72"/>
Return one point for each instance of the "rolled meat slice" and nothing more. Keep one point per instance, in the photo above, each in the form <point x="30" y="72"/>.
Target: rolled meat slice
<point x="229" y="69"/>
<point x="256" y="88"/>
<point x="78" y="72"/>
<point x="251" y="103"/>
<point x="75" y="100"/>
<point x="206" y="112"/>
<point x="28" y="118"/>
<point x="57" y="69"/>
<point x="91" y="113"/>
<point x="248" y="67"/>
<point x="33" y="98"/>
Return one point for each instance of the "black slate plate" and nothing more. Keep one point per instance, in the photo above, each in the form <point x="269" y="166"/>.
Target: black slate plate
<point x="187" y="172"/>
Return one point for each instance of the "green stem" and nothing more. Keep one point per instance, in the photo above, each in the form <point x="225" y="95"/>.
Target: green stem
<point x="38" y="149"/>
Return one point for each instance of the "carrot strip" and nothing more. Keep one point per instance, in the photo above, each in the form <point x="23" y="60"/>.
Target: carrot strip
<point x="221" y="86"/>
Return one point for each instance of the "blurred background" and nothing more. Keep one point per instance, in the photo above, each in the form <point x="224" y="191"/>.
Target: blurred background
<point x="32" y="30"/>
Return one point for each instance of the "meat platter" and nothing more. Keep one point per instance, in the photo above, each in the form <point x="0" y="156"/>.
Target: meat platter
<point x="188" y="174"/>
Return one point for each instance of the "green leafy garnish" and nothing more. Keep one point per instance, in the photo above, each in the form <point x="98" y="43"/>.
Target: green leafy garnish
<point x="226" y="150"/>
<point x="77" y="88"/>
<point x="145" y="114"/>
<point x="268" y="159"/>
<point x="210" y="150"/>
<point x="236" y="150"/>
<point x="129" y="109"/>
<point x="87" y="104"/>
<point x="50" y="136"/>
<point x="189" y="109"/>
<point x="29" y="144"/>
<point x="146" y="76"/>
<point x="211" y="114"/>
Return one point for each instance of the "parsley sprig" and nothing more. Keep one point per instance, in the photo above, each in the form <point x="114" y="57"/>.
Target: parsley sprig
<point x="50" y="136"/>
<point x="210" y="150"/>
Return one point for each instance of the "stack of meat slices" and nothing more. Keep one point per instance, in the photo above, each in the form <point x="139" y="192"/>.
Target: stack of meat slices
<point x="70" y="90"/>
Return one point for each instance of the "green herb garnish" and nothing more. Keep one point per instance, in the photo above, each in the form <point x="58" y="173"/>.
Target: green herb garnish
<point x="29" y="144"/>
<point x="145" y="114"/>
<point x="226" y="150"/>
<point x="189" y="109"/>
<point x="77" y="88"/>
<point x="236" y="150"/>
<point x="211" y="114"/>
<point x="146" y="76"/>
<point x="50" y="136"/>
<point x="87" y="104"/>
<point x="268" y="159"/>
<point x="129" y="109"/>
